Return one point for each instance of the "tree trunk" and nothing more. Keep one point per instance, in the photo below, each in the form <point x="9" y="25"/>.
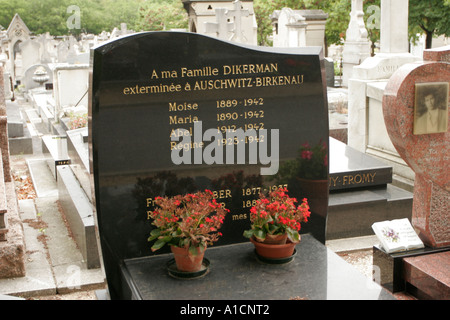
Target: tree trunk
<point x="429" y="40"/>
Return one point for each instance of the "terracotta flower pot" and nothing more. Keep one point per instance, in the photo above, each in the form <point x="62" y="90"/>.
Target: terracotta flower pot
<point x="274" y="251"/>
<point x="187" y="262"/>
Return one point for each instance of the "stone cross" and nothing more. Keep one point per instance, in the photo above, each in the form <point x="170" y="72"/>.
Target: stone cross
<point x="238" y="13"/>
<point x="426" y="154"/>
<point x="222" y="27"/>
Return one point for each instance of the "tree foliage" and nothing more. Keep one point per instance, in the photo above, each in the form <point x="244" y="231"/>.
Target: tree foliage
<point x="51" y="16"/>
<point x="430" y="17"/>
<point x="162" y="15"/>
<point x="41" y="16"/>
<point x="337" y="23"/>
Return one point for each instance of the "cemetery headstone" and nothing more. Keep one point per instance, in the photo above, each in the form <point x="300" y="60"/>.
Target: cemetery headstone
<point x="225" y="19"/>
<point x="16" y="33"/>
<point x="173" y="113"/>
<point x="30" y="55"/>
<point x="426" y="153"/>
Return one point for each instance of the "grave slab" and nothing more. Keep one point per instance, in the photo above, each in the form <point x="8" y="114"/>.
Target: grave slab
<point x="350" y="168"/>
<point x="55" y="149"/>
<point x="316" y="273"/>
<point x="429" y="275"/>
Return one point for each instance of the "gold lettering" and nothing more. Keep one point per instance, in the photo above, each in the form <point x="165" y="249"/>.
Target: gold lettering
<point x="239" y="216"/>
<point x="169" y="74"/>
<point x="179" y="132"/>
<point x="186" y="146"/>
<point x="182" y="107"/>
<point x="354" y="179"/>
<point x="222" y="194"/>
<point x="350" y="179"/>
<point x="182" y="120"/>
<point x="333" y="180"/>
<point x="250" y="68"/>
<point x="204" y="72"/>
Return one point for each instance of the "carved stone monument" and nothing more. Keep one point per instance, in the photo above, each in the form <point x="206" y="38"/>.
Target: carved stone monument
<point x="423" y="272"/>
<point x="426" y="154"/>
<point x="231" y="20"/>
<point x="357" y="45"/>
<point x="366" y="129"/>
<point x="16" y="33"/>
<point x="299" y="28"/>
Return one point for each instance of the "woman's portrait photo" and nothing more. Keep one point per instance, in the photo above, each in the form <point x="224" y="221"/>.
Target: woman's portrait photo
<point x="431" y="108"/>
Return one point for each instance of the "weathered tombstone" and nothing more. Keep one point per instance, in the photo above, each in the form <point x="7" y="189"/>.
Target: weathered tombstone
<point x="222" y="27"/>
<point x="70" y="83"/>
<point x="30" y="55"/>
<point x="63" y="51"/>
<point x="145" y="90"/>
<point x="235" y="18"/>
<point x="297" y="28"/>
<point x="427" y="154"/>
<point x="17" y="33"/>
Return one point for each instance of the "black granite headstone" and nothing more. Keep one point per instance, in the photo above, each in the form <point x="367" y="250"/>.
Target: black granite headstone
<point x="352" y="169"/>
<point x="155" y="98"/>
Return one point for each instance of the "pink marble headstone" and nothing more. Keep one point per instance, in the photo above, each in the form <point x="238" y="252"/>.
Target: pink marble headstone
<point x="428" y="155"/>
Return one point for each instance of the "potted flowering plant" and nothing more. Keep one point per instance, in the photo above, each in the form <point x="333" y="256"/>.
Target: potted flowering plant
<point x="276" y="222"/>
<point x="188" y="224"/>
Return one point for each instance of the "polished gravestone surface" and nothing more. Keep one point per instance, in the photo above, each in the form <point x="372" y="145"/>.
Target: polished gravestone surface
<point x="235" y="273"/>
<point x="350" y="168"/>
<point x="361" y="193"/>
<point x="154" y="98"/>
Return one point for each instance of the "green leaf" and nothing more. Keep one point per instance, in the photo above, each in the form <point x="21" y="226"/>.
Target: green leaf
<point x="155" y="233"/>
<point x="293" y="235"/>
<point x="273" y="228"/>
<point x="158" y="244"/>
<point x="260" y="235"/>
<point x="248" y="233"/>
